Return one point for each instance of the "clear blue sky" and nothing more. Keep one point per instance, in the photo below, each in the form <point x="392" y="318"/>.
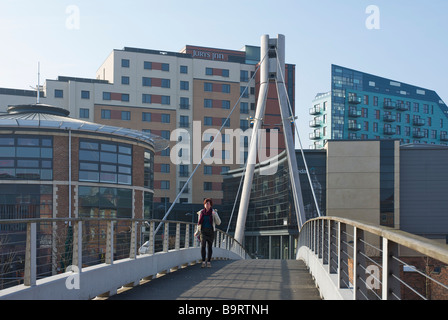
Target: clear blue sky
<point x="411" y="45"/>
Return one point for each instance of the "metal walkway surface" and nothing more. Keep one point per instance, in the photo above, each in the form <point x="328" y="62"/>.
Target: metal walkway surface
<point x="230" y="280"/>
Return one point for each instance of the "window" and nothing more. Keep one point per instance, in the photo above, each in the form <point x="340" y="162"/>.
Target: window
<point x="244" y="76"/>
<point x="208" y="121"/>
<point x="125" y="80"/>
<point x="208" y="170"/>
<point x="105" y="114"/>
<point x="149" y="169"/>
<point x="164" y="185"/>
<point x="184" y="69"/>
<point x="183" y="170"/>
<point x="84" y="113"/>
<point x="166" y="83"/>
<point x="208" y="86"/>
<point x="166" y="118"/>
<point x="207" y="186"/>
<point x="107" y="162"/>
<point x="125" y="97"/>
<point x="226" y="88"/>
<point x="165" y="168"/>
<point x="166" y="100"/>
<point x="147" y="65"/>
<point x="225" y="104"/>
<point x="85" y="94"/>
<point x="146" y="98"/>
<point x="146" y="82"/>
<point x="106" y="96"/>
<point x="184" y="85"/>
<point x="225" y="122"/>
<point x="184" y="103"/>
<point x="146" y="116"/>
<point x="208" y="103"/>
<point x="225" y="73"/>
<point x="244" y="108"/>
<point x="184" y="122"/>
<point x="125" y="63"/>
<point x="58" y="93"/>
<point x="26" y="158"/>
<point x="165" y="67"/>
<point x="125" y="115"/>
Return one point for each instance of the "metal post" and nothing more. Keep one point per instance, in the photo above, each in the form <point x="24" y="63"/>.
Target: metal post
<point x="166" y="236"/>
<point x="30" y="255"/>
<point x="359" y="265"/>
<point x="133" y="249"/>
<point x="252" y="155"/>
<point x="77" y="245"/>
<point x="177" y="242"/>
<point x="151" y="238"/>
<point x="110" y="243"/>
<point x="332" y="243"/>
<point x="343" y="278"/>
<point x="391" y="288"/>
<point x="187" y="236"/>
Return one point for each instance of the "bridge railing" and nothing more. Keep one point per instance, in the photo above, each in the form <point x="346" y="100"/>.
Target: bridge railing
<point x="33" y="251"/>
<point x="354" y="260"/>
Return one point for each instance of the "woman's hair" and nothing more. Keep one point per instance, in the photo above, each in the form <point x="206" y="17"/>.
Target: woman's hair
<point x="208" y="200"/>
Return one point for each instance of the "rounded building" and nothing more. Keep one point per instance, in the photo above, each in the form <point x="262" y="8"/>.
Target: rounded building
<point x="54" y="166"/>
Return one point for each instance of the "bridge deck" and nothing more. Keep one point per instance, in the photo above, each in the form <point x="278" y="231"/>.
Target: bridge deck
<point x="233" y="280"/>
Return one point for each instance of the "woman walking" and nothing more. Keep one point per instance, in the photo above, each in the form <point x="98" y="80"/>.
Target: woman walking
<point x="208" y="220"/>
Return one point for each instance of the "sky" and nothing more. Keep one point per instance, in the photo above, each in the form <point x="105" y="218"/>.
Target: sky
<point x="404" y="40"/>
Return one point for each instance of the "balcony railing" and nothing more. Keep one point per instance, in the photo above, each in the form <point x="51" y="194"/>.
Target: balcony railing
<point x="315" y="123"/>
<point x="354" y="126"/>
<point x="354" y="100"/>
<point x="418" y="122"/>
<point x="354" y="113"/>
<point x="389" y="131"/>
<point x="389" y="105"/>
<point x="315" y="110"/>
<point x="315" y="136"/>
<point x="389" y="118"/>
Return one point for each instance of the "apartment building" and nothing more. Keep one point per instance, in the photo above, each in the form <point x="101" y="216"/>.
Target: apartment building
<point x="185" y="97"/>
<point x="365" y="106"/>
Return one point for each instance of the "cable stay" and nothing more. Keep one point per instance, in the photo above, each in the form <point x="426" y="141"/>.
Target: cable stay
<point x="293" y="120"/>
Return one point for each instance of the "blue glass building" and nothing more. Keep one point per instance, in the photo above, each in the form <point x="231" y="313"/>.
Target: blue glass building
<point x="365" y="106"/>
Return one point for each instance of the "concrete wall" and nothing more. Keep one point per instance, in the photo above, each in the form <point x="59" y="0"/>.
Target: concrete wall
<point x="353" y="180"/>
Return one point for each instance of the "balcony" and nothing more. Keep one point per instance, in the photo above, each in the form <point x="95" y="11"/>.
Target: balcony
<point x="315" y="136"/>
<point x="389" y="118"/>
<point x="354" y="113"/>
<point x="389" y="105"/>
<point x="354" y="100"/>
<point x="418" y="122"/>
<point x="401" y="107"/>
<point x="389" y="131"/>
<point x="315" y="111"/>
<point x="418" y="134"/>
<point x="315" y="123"/>
<point x="354" y="126"/>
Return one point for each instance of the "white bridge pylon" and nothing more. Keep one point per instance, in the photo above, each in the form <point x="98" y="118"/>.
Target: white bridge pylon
<point x="272" y="70"/>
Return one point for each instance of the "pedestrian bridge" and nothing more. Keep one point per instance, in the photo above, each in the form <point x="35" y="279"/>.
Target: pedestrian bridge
<point x="337" y="259"/>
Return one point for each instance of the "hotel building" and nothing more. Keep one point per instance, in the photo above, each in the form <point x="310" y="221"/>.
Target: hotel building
<point x="158" y="91"/>
<point x="364" y="106"/>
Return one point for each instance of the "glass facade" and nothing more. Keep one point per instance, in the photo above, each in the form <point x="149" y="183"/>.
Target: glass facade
<point x="106" y="162"/>
<point x="26" y="157"/>
<point x="364" y="106"/>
